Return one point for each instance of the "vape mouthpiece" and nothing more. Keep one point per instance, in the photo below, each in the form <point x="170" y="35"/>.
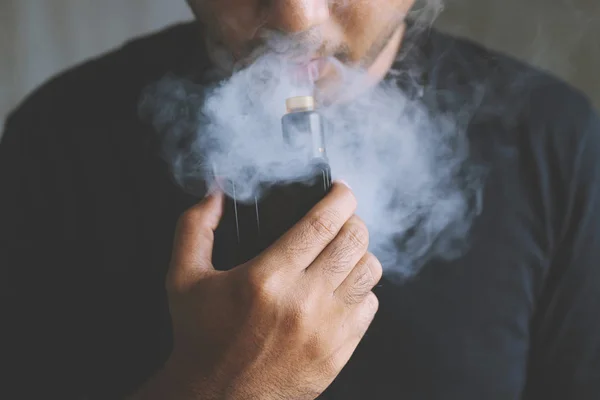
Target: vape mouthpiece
<point x="303" y="127"/>
<point x="300" y="103"/>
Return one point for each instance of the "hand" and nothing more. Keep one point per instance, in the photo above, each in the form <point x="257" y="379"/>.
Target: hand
<point x="281" y="326"/>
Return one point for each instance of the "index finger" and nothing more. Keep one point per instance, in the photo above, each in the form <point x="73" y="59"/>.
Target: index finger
<point x="301" y="245"/>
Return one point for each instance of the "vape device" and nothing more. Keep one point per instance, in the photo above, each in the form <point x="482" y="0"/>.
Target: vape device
<point x="248" y="229"/>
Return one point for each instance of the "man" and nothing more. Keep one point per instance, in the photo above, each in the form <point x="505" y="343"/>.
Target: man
<point x="88" y="214"/>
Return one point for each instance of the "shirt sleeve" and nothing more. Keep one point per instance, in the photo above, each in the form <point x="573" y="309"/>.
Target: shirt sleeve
<point x="565" y="346"/>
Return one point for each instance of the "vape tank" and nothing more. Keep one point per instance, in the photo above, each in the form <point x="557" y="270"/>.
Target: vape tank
<point x="248" y="229"/>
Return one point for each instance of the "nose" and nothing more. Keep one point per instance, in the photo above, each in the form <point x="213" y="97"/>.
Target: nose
<point x="294" y="16"/>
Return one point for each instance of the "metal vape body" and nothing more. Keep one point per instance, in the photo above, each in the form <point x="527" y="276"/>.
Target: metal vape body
<point x="248" y="229"/>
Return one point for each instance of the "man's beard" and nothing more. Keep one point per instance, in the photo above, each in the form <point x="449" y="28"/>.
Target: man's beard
<point x="297" y="46"/>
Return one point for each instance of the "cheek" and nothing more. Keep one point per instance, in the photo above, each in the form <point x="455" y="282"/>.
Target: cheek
<point x="364" y="21"/>
<point x="233" y="22"/>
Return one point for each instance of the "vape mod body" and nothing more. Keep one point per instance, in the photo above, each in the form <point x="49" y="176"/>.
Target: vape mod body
<point x="248" y="229"/>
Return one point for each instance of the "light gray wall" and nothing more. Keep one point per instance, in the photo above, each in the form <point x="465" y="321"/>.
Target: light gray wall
<point x="562" y="36"/>
<point x="38" y="38"/>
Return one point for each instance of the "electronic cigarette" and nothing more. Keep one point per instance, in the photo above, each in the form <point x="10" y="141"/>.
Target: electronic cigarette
<point x="248" y="229"/>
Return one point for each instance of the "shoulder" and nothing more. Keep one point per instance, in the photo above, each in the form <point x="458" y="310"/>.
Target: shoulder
<point x="520" y="118"/>
<point x="107" y="86"/>
<point x="499" y="85"/>
<point x="508" y="102"/>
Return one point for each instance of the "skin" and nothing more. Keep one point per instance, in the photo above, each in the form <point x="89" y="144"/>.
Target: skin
<point x="283" y="325"/>
<point x="363" y="34"/>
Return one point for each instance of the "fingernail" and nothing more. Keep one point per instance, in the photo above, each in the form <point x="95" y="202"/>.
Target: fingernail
<point x="343" y="182"/>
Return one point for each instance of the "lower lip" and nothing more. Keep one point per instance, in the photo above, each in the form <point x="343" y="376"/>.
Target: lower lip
<point x="311" y="72"/>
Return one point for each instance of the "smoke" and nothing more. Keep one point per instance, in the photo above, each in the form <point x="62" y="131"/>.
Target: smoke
<point x="408" y="166"/>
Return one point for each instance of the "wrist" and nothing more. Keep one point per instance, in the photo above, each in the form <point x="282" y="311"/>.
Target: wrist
<point x="174" y="381"/>
<point x="192" y="384"/>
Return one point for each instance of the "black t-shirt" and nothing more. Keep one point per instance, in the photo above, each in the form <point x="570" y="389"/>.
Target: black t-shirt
<point x="88" y="211"/>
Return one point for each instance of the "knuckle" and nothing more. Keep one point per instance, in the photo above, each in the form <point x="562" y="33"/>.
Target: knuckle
<point x="263" y="287"/>
<point x="361" y="285"/>
<point x="364" y="280"/>
<point x="353" y="296"/>
<point x="352" y="240"/>
<point x="338" y="260"/>
<point x="323" y="225"/>
<point x="356" y="234"/>
<point x="375" y="268"/>
<point x="303" y="241"/>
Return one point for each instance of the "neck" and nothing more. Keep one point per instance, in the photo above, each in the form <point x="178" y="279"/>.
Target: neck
<point x="383" y="63"/>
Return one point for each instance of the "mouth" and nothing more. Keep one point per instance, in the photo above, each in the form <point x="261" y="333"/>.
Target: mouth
<point x="305" y="70"/>
<point x="309" y="71"/>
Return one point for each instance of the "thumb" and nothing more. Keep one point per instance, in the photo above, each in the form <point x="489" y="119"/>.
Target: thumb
<point x="194" y="239"/>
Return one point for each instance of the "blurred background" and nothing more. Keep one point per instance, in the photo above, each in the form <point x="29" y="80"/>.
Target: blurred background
<point x="39" y="38"/>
